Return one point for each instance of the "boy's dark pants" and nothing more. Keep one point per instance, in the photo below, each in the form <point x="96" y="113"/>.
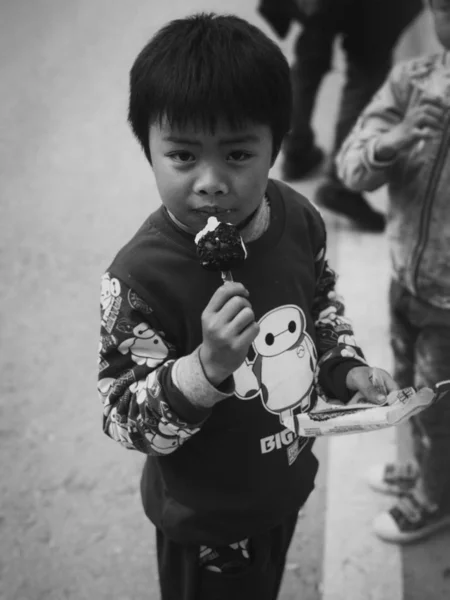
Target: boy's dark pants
<point x="370" y="30"/>
<point x="181" y="578"/>
<point x="420" y="337"/>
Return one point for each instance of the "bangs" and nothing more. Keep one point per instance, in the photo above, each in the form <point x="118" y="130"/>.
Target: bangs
<point x="209" y="87"/>
<point x="194" y="112"/>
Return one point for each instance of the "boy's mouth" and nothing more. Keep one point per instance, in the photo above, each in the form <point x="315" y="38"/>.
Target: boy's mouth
<point x="214" y="211"/>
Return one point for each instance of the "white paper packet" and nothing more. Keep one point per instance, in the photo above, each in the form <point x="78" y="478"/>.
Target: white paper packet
<point x="334" y="418"/>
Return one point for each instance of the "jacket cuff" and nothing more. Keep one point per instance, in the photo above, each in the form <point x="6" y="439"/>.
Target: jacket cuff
<point x="189" y="377"/>
<point x="182" y="407"/>
<point x="332" y="377"/>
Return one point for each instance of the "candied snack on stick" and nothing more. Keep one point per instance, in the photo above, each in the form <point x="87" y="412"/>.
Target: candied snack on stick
<point x="220" y="248"/>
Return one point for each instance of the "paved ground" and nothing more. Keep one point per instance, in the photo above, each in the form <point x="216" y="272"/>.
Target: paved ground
<point x="74" y="187"/>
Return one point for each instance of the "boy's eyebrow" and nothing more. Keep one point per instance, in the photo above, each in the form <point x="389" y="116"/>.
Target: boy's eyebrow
<point x="241" y="139"/>
<point x="178" y="140"/>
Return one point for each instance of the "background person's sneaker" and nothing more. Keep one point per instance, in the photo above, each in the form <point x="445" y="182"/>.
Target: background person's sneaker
<point x="409" y="521"/>
<point x="393" y="478"/>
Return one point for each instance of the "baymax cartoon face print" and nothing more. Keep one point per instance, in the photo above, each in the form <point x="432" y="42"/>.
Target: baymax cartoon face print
<point x="279" y="331"/>
<point x="145" y="345"/>
<point x="282" y="372"/>
<point x="170" y="432"/>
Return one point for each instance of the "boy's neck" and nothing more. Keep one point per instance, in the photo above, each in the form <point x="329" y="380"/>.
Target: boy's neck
<point x="259" y="223"/>
<point x="251" y="228"/>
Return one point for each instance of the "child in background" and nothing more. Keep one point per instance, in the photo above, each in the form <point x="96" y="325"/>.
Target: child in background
<point x="402" y="139"/>
<point x="198" y="375"/>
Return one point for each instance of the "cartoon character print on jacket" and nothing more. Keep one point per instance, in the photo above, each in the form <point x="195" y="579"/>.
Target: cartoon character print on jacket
<point x="163" y="434"/>
<point x="145" y="345"/>
<point x="282" y="371"/>
<point x="333" y="329"/>
<point x="171" y="431"/>
<point x="110" y="289"/>
<point x="110" y="301"/>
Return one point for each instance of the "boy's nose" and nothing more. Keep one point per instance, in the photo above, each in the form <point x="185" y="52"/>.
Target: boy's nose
<point x="210" y="182"/>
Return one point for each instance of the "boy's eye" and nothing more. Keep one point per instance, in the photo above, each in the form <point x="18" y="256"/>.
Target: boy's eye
<point x="182" y="156"/>
<point x="239" y="155"/>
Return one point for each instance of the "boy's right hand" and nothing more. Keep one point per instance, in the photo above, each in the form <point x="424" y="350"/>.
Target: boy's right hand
<point x="229" y="328"/>
<point x="418" y="124"/>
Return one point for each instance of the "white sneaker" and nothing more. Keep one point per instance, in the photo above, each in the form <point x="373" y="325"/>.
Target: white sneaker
<point x="409" y="521"/>
<point x="393" y="478"/>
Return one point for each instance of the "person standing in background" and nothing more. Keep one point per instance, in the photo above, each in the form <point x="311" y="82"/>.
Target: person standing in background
<point x="370" y="30"/>
<point x="402" y="140"/>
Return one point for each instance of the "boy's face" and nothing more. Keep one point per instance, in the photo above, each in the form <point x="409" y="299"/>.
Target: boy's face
<point x="200" y="174"/>
<point x="441" y="16"/>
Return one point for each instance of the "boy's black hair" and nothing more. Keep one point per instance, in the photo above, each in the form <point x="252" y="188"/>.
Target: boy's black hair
<point x="205" y="67"/>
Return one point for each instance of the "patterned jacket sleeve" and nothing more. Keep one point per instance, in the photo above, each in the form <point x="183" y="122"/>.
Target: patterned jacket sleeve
<point x="356" y="163"/>
<point x="337" y="349"/>
<point x="143" y="409"/>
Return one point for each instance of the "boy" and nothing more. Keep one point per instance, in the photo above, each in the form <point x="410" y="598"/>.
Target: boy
<point x="199" y="375"/>
<point x="402" y="139"/>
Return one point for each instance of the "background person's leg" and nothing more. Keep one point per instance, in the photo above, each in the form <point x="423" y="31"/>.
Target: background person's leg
<point x="396" y="477"/>
<point x="313" y="55"/>
<point x="370" y="38"/>
<point x="404" y="337"/>
<point x="425" y="509"/>
<point x="433" y="365"/>
<point x="370" y="34"/>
